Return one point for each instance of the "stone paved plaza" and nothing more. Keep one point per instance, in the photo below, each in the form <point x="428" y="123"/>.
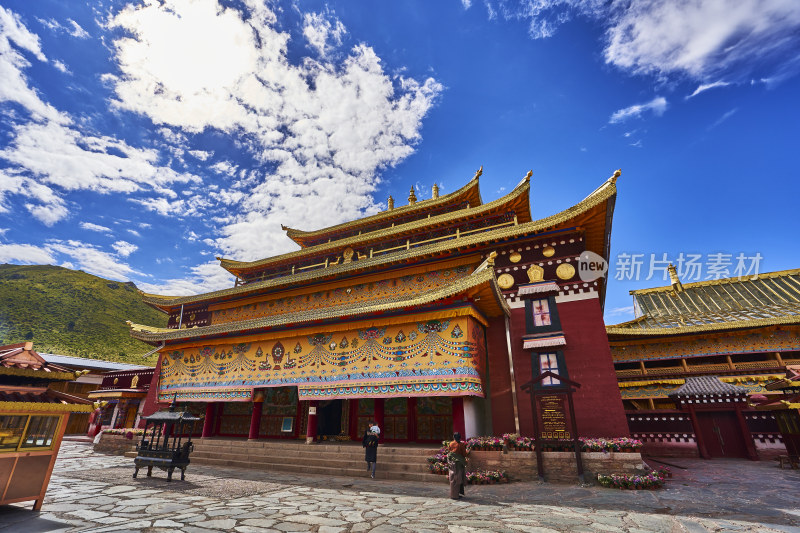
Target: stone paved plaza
<point x="93" y="492"/>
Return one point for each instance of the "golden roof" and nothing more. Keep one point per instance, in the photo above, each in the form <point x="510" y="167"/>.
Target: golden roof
<point x="481" y="286"/>
<point x="771" y="298"/>
<point x="469" y="193"/>
<point x="517" y="198"/>
<point x="592" y="214"/>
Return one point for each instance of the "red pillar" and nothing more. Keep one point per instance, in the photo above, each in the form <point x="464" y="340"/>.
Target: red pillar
<point x="458" y="416"/>
<point x="311" y="432"/>
<point x="379" y="415"/>
<point x="701" y="446"/>
<point x="353" y="429"/>
<point x="752" y="454"/>
<point x="208" y="423"/>
<point x="255" y="419"/>
<point x="412" y="419"/>
<point x="218" y="418"/>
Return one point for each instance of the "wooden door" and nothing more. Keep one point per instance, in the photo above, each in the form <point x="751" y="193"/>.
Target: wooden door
<point x="721" y="434"/>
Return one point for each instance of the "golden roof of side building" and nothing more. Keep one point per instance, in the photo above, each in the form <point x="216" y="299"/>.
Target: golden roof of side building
<point x="593" y="214"/>
<point x="771" y="298"/>
<point x="469" y="193"/>
<point x="481" y="285"/>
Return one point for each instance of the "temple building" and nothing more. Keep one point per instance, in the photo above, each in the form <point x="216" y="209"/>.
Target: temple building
<point x="740" y="332"/>
<point x="426" y="317"/>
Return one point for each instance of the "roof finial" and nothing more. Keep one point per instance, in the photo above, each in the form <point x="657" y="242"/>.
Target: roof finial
<point x="617" y="173"/>
<point x="491" y="258"/>
<point x="528" y="175"/>
<point x="390" y="203"/>
<point x="435" y="191"/>
<point x="478" y="173"/>
<point x="412" y="198"/>
<point x="674" y="279"/>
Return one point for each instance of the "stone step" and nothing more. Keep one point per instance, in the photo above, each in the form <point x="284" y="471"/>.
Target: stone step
<point x="341" y="463"/>
<point x="381" y="473"/>
<point x="311" y="453"/>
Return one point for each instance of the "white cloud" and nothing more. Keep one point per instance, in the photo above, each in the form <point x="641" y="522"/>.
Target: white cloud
<point x="202" y="278"/>
<point x="621" y="313"/>
<point x="707" y="86"/>
<point x="71" y="27"/>
<point x="14" y="86"/>
<point x="466" y="3"/>
<point x="123" y="248"/>
<point x="322" y="34"/>
<point x="134" y="232"/>
<point x="61" y="66"/>
<point x="25" y="254"/>
<point x="723" y="118"/>
<point x="202" y="155"/>
<point x="657" y="106"/>
<point x="60" y="158"/>
<point x="320" y="130"/>
<point x="77" y="31"/>
<point x="95" y="227"/>
<point x="699" y="39"/>
<point x="224" y="167"/>
<point x="93" y="260"/>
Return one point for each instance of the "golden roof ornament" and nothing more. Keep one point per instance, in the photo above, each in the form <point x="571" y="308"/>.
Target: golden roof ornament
<point x="390" y="203"/>
<point x="673" y="278"/>
<point x="412" y="198"/>
<point x="435" y="191"/>
<point x="617" y="174"/>
<point x="478" y="173"/>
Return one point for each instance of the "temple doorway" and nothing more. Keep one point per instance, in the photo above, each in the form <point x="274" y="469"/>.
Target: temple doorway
<point x="329" y="417"/>
<point x="721" y="434"/>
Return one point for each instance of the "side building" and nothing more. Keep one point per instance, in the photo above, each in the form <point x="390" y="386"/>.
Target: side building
<point x="427" y="317"/>
<point x="719" y="339"/>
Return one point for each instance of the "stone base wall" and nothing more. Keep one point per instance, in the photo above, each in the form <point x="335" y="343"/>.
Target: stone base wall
<point x="558" y="467"/>
<point x="115" y="444"/>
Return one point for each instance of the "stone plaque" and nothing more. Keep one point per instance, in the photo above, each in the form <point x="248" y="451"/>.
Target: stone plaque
<point x="553" y="416"/>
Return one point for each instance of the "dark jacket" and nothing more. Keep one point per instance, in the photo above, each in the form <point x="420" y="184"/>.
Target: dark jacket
<point x="370" y="444"/>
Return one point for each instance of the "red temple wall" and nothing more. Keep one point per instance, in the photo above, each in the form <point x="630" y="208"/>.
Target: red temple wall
<point x="523" y="371"/>
<point x="151" y="400"/>
<point x="499" y="378"/>
<point x="598" y="405"/>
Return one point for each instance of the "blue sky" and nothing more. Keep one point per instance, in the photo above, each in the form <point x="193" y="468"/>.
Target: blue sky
<point x="139" y="141"/>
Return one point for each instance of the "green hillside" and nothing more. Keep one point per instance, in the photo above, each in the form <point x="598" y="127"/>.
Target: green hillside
<point x="70" y="312"/>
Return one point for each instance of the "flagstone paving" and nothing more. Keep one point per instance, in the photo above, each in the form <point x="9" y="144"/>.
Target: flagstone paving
<point x="94" y="492"/>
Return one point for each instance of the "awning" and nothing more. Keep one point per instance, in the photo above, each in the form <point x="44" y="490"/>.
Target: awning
<point x="543" y="342"/>
<point x="544" y="287"/>
<point x="117" y="393"/>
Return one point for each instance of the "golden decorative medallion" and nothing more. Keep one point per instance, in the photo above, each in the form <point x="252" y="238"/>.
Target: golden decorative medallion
<point x="506" y="281"/>
<point x="134" y="382"/>
<point x="535" y="273"/>
<point x="348" y="254"/>
<point x="548" y="251"/>
<point x="191" y="317"/>
<point x="565" y="271"/>
<point x="515" y="257"/>
<point x="116" y="380"/>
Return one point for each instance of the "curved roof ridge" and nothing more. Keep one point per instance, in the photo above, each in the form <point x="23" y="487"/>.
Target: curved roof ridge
<point x="474" y="280"/>
<point x="299" y="235"/>
<point x="522" y="188"/>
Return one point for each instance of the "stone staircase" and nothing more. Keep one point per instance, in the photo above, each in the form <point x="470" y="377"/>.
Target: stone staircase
<point x="336" y="459"/>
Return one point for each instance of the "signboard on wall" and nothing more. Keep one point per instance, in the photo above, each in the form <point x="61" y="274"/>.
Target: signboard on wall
<point x="553" y="417"/>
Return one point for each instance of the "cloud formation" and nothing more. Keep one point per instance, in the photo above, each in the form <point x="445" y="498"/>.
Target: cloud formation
<point x="318" y="131"/>
<point x="698" y="39"/>
<point x="657" y="106"/>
